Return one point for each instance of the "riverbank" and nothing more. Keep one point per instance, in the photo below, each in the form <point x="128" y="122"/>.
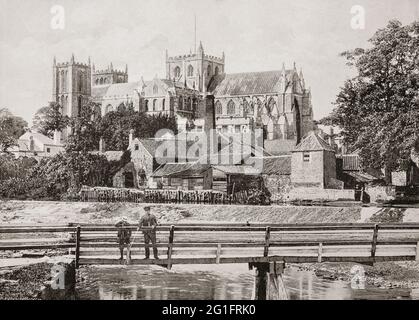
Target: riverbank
<point x="24" y="282"/>
<point x="54" y="212"/>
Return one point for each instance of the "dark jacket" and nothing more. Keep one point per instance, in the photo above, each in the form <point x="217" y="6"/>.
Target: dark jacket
<point x="148" y="221"/>
<point x="124" y="234"/>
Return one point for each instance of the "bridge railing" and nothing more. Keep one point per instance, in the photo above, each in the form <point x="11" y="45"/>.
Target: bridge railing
<point x="226" y="243"/>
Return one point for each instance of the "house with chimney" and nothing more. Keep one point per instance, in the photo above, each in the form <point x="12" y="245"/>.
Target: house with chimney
<point x="38" y="146"/>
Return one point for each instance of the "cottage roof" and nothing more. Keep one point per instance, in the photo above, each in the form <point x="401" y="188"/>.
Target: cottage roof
<point x="37" y="136"/>
<point x="313" y="142"/>
<point x="180" y="169"/>
<point x="280" y="165"/>
<point x="279" y="147"/>
<point x="233" y="170"/>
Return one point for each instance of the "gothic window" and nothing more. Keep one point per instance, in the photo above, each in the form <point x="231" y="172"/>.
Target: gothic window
<point x="65" y="106"/>
<point x="101" y="80"/>
<point x="218" y="108"/>
<point x="109" y="108"/>
<point x="190" y="71"/>
<point x="231" y="107"/>
<point x="246" y="108"/>
<point x="155" y="89"/>
<point x="79" y="106"/>
<point x="155" y="105"/>
<point x="121" y="107"/>
<point x="97" y="81"/>
<point x="180" y="104"/>
<point x="194" y="104"/>
<point x="163" y="104"/>
<point x="209" y="70"/>
<point x="177" y="72"/>
<point x="146" y="106"/>
<point x="216" y="70"/>
<point x="62" y="81"/>
<point x="188" y="104"/>
<point x="80" y="82"/>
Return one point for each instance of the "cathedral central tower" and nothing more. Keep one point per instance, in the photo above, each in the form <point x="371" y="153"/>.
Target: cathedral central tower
<point x="194" y="69"/>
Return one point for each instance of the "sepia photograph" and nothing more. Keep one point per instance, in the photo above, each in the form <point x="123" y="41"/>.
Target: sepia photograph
<point x="225" y="151"/>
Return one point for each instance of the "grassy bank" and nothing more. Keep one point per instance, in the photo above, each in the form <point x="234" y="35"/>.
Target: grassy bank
<point x="24" y="282"/>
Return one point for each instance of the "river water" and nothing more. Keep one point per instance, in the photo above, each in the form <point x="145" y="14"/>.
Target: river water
<point x="213" y="282"/>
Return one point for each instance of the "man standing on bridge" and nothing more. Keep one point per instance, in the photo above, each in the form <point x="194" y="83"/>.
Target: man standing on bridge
<point x="149" y="220"/>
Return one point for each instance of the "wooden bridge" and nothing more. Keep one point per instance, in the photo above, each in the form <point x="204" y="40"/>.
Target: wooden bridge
<point x="265" y="247"/>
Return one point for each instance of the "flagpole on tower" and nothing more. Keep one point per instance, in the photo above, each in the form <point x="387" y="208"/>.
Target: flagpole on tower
<point x="195" y="35"/>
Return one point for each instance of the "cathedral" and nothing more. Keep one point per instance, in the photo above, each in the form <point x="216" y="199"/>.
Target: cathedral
<point x="276" y="101"/>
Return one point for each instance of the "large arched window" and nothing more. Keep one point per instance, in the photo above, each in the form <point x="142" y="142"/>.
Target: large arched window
<point x="163" y="104"/>
<point x="177" y="72"/>
<point x="155" y="105"/>
<point x="146" y="105"/>
<point x="218" y="108"/>
<point x="231" y="107"/>
<point x="272" y="107"/>
<point x="190" y="71"/>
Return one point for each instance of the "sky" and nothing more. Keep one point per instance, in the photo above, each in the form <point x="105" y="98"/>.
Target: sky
<point x="255" y="35"/>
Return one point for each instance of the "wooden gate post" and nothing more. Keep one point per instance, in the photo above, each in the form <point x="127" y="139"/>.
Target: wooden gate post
<point x="269" y="284"/>
<point x="170" y="249"/>
<point x="78" y="231"/>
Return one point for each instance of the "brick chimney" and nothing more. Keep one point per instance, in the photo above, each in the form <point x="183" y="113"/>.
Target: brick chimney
<point x="131" y="136"/>
<point x="101" y="145"/>
<point x="57" y="137"/>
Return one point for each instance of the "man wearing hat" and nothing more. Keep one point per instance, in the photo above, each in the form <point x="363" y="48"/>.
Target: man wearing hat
<point x="124" y="235"/>
<point x="149" y="220"/>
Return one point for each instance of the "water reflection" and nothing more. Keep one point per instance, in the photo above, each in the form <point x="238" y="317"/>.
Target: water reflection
<point x="208" y="282"/>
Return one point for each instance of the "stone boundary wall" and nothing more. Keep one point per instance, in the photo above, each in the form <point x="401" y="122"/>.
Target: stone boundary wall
<point x="302" y="193"/>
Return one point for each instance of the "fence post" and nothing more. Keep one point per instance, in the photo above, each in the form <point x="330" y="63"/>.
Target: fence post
<point x="267" y="239"/>
<point x="374" y="242"/>
<point x="170" y="248"/>
<point x="78" y="231"/>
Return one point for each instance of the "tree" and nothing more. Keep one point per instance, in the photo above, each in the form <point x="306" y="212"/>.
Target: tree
<point x="38" y="121"/>
<point x="50" y="118"/>
<point x="84" y="135"/>
<point x="378" y="109"/>
<point x="115" y="126"/>
<point x="11" y="128"/>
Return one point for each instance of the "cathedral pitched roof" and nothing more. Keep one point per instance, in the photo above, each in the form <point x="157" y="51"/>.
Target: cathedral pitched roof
<point x="313" y="142"/>
<point x="247" y="83"/>
<point x="121" y="89"/>
<point x="99" y="91"/>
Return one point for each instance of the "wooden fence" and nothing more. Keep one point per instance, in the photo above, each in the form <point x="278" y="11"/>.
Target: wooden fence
<point x="161" y="196"/>
<point x="227" y="243"/>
